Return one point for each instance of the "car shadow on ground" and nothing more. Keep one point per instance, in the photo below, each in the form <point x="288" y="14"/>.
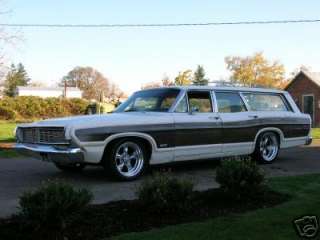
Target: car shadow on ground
<point x="305" y="159"/>
<point x="97" y="173"/>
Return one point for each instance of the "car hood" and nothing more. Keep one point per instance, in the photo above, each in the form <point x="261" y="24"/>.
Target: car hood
<point x="113" y="119"/>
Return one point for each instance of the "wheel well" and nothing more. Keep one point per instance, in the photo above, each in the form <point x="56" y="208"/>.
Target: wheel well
<point x="145" y="142"/>
<point x="273" y="131"/>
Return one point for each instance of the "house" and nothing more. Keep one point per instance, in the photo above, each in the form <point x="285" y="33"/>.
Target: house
<point x="44" y="92"/>
<point x="305" y="90"/>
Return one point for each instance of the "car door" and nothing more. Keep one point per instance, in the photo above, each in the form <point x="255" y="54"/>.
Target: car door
<point x="238" y="125"/>
<point x="197" y="127"/>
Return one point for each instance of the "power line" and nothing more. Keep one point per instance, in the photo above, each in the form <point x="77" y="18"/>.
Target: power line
<point x="31" y="25"/>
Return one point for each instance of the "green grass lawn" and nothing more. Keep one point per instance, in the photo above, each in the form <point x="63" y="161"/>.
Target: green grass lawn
<point x="6" y="131"/>
<point x="268" y="223"/>
<point x="8" y="153"/>
<point x="6" y="135"/>
<point x="316" y="133"/>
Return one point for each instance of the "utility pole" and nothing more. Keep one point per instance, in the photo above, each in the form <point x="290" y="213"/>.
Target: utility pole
<point x="65" y="89"/>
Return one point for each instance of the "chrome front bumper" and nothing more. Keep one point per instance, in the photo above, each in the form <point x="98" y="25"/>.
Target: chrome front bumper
<point x="309" y="141"/>
<point x="51" y="153"/>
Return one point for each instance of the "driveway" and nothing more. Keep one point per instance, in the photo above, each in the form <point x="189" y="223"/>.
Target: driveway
<point x="20" y="174"/>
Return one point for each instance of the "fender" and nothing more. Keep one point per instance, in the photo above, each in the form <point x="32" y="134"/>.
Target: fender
<point x="268" y="129"/>
<point x="132" y="134"/>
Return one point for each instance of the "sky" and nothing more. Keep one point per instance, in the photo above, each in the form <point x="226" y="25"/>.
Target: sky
<point x="131" y="57"/>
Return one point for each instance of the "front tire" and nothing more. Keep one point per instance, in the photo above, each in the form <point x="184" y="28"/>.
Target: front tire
<point x="267" y="148"/>
<point x="126" y="159"/>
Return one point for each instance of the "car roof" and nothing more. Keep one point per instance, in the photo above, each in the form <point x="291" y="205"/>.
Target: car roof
<point x="223" y="88"/>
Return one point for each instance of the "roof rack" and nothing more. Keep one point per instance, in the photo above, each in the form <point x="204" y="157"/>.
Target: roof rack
<point x="222" y="83"/>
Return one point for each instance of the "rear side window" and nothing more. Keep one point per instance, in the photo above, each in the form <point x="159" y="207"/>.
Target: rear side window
<point x="265" y="102"/>
<point x="229" y="102"/>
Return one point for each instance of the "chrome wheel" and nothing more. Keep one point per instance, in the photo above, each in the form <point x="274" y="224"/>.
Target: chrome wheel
<point x="269" y="147"/>
<point x="129" y="159"/>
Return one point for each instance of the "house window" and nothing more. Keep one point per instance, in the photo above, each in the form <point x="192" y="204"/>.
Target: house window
<point x="308" y="105"/>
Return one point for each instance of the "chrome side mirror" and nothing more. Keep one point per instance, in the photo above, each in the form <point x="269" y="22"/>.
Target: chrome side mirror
<point x="194" y="110"/>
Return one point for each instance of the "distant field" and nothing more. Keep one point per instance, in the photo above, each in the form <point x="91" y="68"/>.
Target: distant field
<point x="6" y="135"/>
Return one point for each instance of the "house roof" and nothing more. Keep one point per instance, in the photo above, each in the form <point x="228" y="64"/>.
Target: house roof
<point x="313" y="76"/>
<point x="47" y="88"/>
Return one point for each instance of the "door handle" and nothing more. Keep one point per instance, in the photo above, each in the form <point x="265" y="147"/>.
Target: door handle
<point x="214" y="118"/>
<point x="253" y="116"/>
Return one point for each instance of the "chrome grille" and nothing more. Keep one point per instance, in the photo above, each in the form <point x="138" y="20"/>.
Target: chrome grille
<point x="49" y="135"/>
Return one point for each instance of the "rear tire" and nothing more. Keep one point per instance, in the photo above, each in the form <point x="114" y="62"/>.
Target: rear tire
<point x="76" y="167"/>
<point x="267" y="148"/>
<point x="126" y="159"/>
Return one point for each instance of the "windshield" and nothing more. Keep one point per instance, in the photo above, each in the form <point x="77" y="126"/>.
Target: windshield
<point x="154" y="100"/>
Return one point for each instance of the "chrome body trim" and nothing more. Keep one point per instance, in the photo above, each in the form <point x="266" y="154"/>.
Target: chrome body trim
<point x="20" y="131"/>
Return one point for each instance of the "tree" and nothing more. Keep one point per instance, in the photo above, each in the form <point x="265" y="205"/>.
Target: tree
<point x="199" y="76"/>
<point x="298" y="70"/>
<point x="183" y="78"/>
<point x="89" y="80"/>
<point x="115" y="94"/>
<point x="166" y="82"/>
<point x="150" y="85"/>
<point x="256" y="70"/>
<point x="8" y="38"/>
<point x="37" y="84"/>
<point x="17" y="76"/>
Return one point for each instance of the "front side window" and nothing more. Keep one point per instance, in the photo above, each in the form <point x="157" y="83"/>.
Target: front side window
<point x="265" y="102"/>
<point x="200" y="101"/>
<point x="153" y="100"/>
<point x="229" y="102"/>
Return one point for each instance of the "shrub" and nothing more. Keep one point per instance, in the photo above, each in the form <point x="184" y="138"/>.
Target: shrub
<point x="164" y="193"/>
<point x="30" y="107"/>
<point x="77" y="106"/>
<point x="48" y="208"/>
<point x="240" y="178"/>
<point x="7" y="114"/>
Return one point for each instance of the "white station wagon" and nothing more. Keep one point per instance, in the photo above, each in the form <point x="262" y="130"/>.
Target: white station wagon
<point x="164" y="125"/>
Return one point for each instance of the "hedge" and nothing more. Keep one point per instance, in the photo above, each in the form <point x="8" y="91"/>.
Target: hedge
<point x="7" y="114"/>
<point x="40" y="108"/>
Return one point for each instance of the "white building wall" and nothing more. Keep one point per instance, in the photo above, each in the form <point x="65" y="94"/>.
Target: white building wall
<point x="48" y="92"/>
<point x="74" y="94"/>
<point x="40" y="93"/>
